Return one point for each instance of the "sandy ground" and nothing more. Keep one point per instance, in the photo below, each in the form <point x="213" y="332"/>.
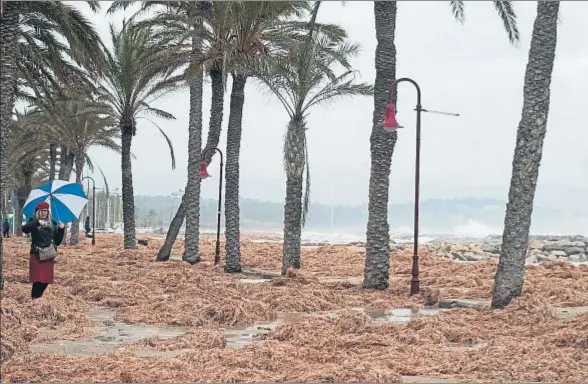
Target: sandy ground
<point x="118" y="316"/>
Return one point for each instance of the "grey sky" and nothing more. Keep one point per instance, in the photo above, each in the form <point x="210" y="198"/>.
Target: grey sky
<point x="470" y="69"/>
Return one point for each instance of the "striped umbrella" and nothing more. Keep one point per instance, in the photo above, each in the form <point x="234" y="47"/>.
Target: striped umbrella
<point x="67" y="200"/>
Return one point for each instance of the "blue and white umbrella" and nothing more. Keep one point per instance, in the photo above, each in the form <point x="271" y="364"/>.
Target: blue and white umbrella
<point x="67" y="200"/>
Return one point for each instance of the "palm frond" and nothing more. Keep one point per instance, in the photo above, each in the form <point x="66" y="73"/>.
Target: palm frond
<point x="458" y="10"/>
<point x="509" y="20"/>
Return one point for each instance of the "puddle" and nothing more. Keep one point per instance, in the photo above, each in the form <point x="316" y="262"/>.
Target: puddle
<point x="427" y="380"/>
<point x="112" y="335"/>
<point x="342" y="279"/>
<point x="253" y="281"/>
<point x="266" y="241"/>
<point x="464" y="303"/>
<point x="260" y="273"/>
<point x="238" y="338"/>
<point x="466" y="346"/>
<point x="569" y="312"/>
<point x="162" y="354"/>
<point x="397" y="315"/>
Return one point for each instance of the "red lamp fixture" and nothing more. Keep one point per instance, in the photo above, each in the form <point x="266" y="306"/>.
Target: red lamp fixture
<point x="390" y="123"/>
<point x="203" y="170"/>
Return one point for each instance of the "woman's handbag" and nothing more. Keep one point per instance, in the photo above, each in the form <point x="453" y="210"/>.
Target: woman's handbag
<point x="47" y="253"/>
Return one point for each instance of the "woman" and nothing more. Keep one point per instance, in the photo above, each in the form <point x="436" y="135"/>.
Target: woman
<point x="6" y="228"/>
<point x="44" y="233"/>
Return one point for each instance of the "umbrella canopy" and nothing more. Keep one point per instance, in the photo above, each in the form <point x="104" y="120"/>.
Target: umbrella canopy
<point x="67" y="200"/>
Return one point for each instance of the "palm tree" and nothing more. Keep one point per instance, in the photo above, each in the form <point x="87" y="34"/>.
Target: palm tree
<point x="302" y="80"/>
<point x="139" y="72"/>
<point x="382" y="144"/>
<point x="78" y="123"/>
<point x="27" y="156"/>
<point x="508" y="281"/>
<point x="235" y="34"/>
<point x="186" y="27"/>
<point x="40" y="25"/>
<point x="259" y="30"/>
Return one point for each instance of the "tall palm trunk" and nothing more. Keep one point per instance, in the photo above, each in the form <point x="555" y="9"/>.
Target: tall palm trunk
<point x="66" y="163"/>
<point x="75" y="226"/>
<point x="52" y="161"/>
<point x="128" y="197"/>
<point x="508" y="281"/>
<point x="232" y="214"/>
<point x="217" y="103"/>
<point x="8" y="77"/>
<point x="192" y="195"/>
<point x="21" y="199"/>
<point x="214" y="130"/>
<point x="381" y="147"/>
<point x="22" y="193"/>
<point x="294" y="159"/>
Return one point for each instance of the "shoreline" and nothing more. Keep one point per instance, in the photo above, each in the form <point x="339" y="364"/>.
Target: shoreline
<point x="354" y="237"/>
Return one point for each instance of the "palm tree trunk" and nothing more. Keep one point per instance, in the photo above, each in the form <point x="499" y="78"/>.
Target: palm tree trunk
<point x="192" y="199"/>
<point x="66" y="163"/>
<point x="52" y="161"/>
<point x="508" y="281"/>
<point x="294" y="157"/>
<point x="172" y="232"/>
<point x="381" y="147"/>
<point x="22" y="193"/>
<point x="8" y="77"/>
<point x="232" y="232"/>
<point x="216" y="112"/>
<point x="214" y="130"/>
<point x="21" y="198"/>
<point x="128" y="197"/>
<point x="75" y="226"/>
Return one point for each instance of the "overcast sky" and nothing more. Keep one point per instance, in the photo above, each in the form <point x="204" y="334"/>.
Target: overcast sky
<point x="470" y="69"/>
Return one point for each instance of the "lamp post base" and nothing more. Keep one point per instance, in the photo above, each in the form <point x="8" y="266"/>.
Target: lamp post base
<point x="414" y="286"/>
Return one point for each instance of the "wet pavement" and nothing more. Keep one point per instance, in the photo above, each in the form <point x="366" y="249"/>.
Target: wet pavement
<point x="427" y="380"/>
<point x="569" y="312"/>
<point x="464" y="303"/>
<point x="114" y="334"/>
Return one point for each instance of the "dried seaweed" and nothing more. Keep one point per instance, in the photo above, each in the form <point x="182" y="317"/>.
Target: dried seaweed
<point x="524" y="342"/>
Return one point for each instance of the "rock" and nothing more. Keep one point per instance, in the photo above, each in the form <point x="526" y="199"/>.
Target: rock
<point x="579" y="238"/>
<point x="564" y="245"/>
<point x="536" y="244"/>
<point x="573" y="250"/>
<point x="543" y="258"/>
<point x="489" y="248"/>
<point x="477" y="256"/>
<point x="578" y="258"/>
<point x="535" y="252"/>
<point x="396" y="248"/>
<point x="532" y="259"/>
<point x="460" y="248"/>
<point x="557" y="254"/>
<point x="458" y="256"/>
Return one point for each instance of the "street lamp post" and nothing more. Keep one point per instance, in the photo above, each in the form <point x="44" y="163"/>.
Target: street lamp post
<point x="203" y="175"/>
<point x="391" y="125"/>
<point x="93" y="208"/>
